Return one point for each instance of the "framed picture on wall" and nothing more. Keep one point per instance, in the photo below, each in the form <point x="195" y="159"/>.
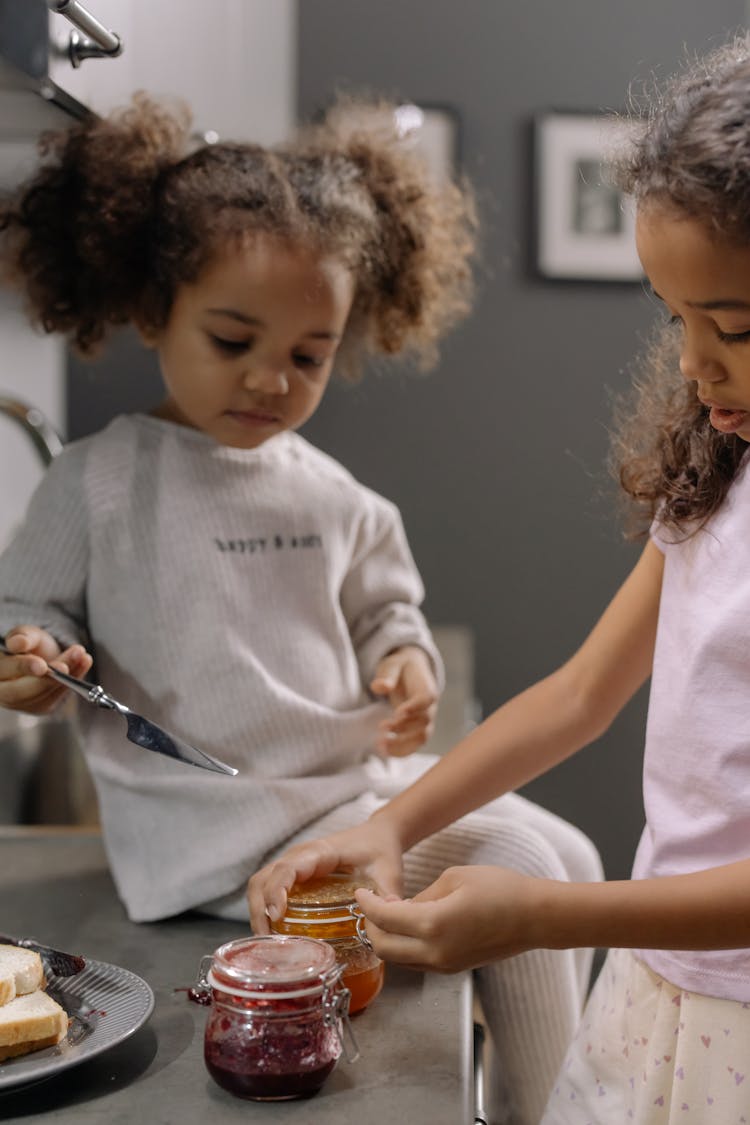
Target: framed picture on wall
<point x="585" y="226"/>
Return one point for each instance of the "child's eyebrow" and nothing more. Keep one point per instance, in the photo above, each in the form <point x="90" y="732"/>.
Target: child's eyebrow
<point x="254" y="322"/>
<point x="235" y="314"/>
<point x="725" y="303"/>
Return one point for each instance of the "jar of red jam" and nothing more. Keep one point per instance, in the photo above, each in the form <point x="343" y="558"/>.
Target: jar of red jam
<point x="326" y="908"/>
<point x="278" y="1017"/>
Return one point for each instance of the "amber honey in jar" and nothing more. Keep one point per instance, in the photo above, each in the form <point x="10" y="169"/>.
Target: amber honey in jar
<point x="326" y="908"/>
<point x="278" y="1020"/>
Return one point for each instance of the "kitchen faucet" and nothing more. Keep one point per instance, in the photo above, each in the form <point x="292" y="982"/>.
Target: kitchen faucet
<point x="43" y="434"/>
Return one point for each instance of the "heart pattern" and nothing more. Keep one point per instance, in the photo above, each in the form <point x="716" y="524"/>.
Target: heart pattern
<point x="636" y="1044"/>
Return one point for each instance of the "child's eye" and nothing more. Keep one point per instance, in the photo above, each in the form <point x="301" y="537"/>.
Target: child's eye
<point x="308" y="360"/>
<point x="231" y="347"/>
<point x="733" y="337"/>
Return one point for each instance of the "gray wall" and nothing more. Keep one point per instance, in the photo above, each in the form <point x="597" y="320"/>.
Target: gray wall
<point x="496" y="457"/>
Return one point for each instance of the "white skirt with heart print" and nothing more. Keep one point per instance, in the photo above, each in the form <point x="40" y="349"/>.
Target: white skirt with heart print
<point x="648" y="1053"/>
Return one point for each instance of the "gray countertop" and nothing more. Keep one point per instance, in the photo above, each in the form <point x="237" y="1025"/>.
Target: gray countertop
<point x="415" y="1039"/>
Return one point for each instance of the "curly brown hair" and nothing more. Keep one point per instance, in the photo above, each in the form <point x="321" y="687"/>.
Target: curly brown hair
<point x="692" y="154"/>
<point x="120" y="214"/>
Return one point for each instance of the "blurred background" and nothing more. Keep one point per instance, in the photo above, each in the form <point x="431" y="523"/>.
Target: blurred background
<point x="497" y="457"/>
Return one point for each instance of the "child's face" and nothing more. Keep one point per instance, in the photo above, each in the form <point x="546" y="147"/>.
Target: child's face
<point x="704" y="282"/>
<point x="249" y="346"/>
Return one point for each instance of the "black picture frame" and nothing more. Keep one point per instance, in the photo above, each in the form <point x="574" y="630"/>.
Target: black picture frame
<point x="584" y="225"/>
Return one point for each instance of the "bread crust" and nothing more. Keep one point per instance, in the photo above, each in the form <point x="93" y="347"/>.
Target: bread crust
<point x="30" y="1045"/>
<point x="31" y="1022"/>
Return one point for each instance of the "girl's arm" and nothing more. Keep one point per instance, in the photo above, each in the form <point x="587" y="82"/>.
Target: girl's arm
<point x="43" y="574"/>
<point x="473" y="915"/>
<point x="381" y="595"/>
<point x="546" y="723"/>
<point x="526" y="736"/>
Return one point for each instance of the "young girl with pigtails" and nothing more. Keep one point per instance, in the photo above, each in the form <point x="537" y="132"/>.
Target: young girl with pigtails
<point x="217" y="571"/>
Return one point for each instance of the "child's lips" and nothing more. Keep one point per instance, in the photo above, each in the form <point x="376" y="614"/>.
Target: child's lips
<point x="253" y="417"/>
<point x="726" y="420"/>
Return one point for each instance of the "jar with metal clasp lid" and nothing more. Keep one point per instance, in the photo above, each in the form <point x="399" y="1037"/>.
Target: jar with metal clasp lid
<point x="326" y="908"/>
<point x="278" y="1020"/>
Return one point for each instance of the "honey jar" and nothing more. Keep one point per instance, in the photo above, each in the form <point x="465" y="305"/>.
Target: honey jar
<point x="326" y="908"/>
<point x="278" y="1020"/>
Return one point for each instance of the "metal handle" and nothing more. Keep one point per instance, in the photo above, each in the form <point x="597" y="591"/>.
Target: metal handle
<point x="92" y="693"/>
<point x="97" y="41"/>
<point x="480" y="1113"/>
<point x="45" y="437"/>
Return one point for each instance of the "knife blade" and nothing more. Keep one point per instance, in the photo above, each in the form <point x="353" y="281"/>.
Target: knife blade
<point x="141" y="731"/>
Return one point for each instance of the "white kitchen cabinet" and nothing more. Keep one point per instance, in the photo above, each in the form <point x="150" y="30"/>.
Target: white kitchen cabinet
<point x="233" y="61"/>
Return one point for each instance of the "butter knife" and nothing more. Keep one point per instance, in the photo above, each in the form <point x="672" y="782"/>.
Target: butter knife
<point x="143" y="732"/>
<point x="54" y="960"/>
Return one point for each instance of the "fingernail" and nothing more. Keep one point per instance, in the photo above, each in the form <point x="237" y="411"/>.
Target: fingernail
<point x="273" y="913"/>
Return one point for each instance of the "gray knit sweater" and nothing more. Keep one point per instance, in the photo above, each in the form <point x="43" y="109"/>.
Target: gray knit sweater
<point x="240" y="598"/>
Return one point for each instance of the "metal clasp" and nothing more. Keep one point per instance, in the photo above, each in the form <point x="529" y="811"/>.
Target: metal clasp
<point x="202" y="988"/>
<point x="359" y="917"/>
<point x="336" y="1014"/>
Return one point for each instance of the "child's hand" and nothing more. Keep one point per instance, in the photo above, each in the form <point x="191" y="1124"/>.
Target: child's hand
<point x="406" y="677"/>
<point x="24" y="684"/>
<point x="468" y="917"/>
<point x="371" y="847"/>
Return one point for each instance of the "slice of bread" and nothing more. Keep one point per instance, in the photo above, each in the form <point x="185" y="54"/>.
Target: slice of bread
<point x="29" y="1023"/>
<point x="20" y="972"/>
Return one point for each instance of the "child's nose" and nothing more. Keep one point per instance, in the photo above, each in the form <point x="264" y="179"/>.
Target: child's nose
<point x="698" y="363"/>
<point x="270" y="378"/>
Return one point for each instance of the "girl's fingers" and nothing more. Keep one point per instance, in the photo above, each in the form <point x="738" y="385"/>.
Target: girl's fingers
<point x="32" y="639"/>
<point x="391" y="915"/>
<point x="410" y="713"/>
<point x="267" y="890"/>
<point x="400" y="747"/>
<point x="22" y="667"/>
<point x="76" y="661"/>
<point x="401" y="742"/>
<point x="407" y="728"/>
<point x="396" y="929"/>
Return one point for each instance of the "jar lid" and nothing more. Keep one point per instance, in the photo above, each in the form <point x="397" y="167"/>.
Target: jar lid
<point x="273" y="963"/>
<point x="336" y="889"/>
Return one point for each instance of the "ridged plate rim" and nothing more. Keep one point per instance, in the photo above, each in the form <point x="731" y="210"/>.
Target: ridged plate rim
<point x="107" y="1004"/>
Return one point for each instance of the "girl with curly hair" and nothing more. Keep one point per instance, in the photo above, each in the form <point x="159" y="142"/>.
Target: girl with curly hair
<point x="222" y="575"/>
<point x="665" y="1036"/>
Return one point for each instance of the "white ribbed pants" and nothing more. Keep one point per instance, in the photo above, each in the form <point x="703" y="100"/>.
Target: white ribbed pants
<point x="531" y="1003"/>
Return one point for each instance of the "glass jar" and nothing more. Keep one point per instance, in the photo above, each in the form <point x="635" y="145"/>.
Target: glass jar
<point x="278" y="1016"/>
<point x="326" y="908"/>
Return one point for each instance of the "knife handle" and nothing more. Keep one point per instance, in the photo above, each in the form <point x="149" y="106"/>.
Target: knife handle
<point x="92" y="693"/>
